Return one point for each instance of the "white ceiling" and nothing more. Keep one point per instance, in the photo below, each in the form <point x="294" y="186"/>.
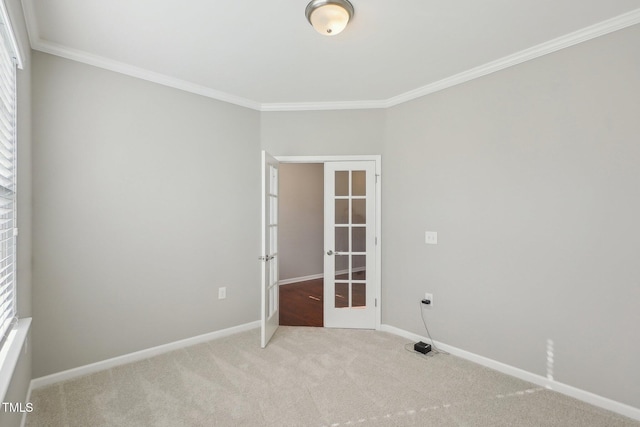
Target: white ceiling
<point x="264" y="54"/>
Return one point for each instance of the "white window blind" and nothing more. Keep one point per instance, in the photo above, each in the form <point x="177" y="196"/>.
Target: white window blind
<point x="8" y="230"/>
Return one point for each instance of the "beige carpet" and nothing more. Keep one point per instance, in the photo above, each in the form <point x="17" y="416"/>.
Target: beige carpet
<point x="307" y="377"/>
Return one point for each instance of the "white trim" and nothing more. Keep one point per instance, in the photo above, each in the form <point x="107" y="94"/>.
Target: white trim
<point x="583" y="395"/>
<point x="27" y="400"/>
<point x="138" y="355"/>
<point x="320" y="106"/>
<point x="13" y="40"/>
<point x="605" y="27"/>
<point x="316" y="276"/>
<point x="378" y="166"/>
<point x="378" y="275"/>
<point x="120" y="67"/>
<point x="30" y="22"/>
<point x="562" y="42"/>
<point x="323" y="159"/>
<point x="10" y="353"/>
<point x="301" y="279"/>
<point x="141" y="73"/>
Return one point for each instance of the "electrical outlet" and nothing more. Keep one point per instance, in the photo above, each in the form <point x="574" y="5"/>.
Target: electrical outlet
<point x="429" y="296"/>
<point x="431" y="237"/>
<point x="222" y="292"/>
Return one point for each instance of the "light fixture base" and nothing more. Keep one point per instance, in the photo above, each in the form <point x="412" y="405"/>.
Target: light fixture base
<point x="329" y="17"/>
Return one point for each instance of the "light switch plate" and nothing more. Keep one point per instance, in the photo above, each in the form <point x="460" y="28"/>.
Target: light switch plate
<point x="431" y="237"/>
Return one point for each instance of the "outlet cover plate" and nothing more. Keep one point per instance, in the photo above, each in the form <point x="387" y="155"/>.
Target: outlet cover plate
<point x="431" y="237"/>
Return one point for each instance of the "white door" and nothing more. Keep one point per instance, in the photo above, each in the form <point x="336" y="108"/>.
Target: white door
<point x="269" y="258"/>
<point x="349" y="236"/>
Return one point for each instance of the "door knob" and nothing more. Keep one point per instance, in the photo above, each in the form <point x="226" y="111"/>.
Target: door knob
<point x="329" y="252"/>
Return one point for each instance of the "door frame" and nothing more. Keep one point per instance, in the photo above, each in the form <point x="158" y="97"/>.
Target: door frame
<point x="377" y="159"/>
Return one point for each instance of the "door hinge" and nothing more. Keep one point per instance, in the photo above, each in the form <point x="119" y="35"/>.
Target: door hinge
<point x="376" y="302"/>
<point x="377" y="178"/>
<point x="376" y="240"/>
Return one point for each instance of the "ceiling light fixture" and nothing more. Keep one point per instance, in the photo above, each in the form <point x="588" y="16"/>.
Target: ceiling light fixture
<point x="329" y="17"/>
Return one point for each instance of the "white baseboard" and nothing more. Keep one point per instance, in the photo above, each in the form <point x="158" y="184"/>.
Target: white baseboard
<point x="300" y="279"/>
<point x="136" y="356"/>
<point x="585" y="396"/>
<point x="316" y="276"/>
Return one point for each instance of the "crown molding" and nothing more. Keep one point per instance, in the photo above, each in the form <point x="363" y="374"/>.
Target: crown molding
<point x="319" y="106"/>
<point x="562" y="42"/>
<point x="120" y="67"/>
<point x="30" y="21"/>
<point x="605" y="27"/>
<point x="141" y="73"/>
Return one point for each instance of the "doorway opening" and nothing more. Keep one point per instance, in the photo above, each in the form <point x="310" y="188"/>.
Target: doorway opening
<point x="322" y="267"/>
<point x="301" y="244"/>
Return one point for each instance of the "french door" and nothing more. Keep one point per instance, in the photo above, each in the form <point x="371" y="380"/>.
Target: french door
<point x="270" y="316"/>
<point x="350" y="244"/>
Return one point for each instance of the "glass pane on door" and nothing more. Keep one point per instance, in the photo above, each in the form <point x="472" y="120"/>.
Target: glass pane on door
<point x="342" y="183"/>
<point x="359" y="183"/>
<point x="358" y="239"/>
<point x="358" y="267"/>
<point x="342" y="267"/>
<point x="359" y="208"/>
<point x="342" y="239"/>
<point x="342" y="211"/>
<point x="358" y="295"/>
<point x="342" y="295"/>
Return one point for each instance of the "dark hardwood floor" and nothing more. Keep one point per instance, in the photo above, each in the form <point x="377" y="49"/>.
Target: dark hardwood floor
<point x="301" y="304"/>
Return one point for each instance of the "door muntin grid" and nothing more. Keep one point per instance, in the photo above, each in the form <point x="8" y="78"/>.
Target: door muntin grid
<point x="350" y="263"/>
<point x="272" y="283"/>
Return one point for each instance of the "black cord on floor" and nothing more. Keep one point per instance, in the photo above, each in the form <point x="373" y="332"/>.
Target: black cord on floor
<point x="434" y="349"/>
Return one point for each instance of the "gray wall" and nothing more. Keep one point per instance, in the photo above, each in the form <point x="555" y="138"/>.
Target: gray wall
<point x="531" y="177"/>
<point x="19" y="384"/>
<point x="319" y="133"/>
<point x="301" y="220"/>
<point x="322" y="133"/>
<point x="134" y="214"/>
<point x="146" y="200"/>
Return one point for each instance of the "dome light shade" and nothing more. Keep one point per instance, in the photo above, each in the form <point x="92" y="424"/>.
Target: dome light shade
<point x="329" y="17"/>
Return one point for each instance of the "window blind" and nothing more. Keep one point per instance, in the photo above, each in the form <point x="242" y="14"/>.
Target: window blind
<point x="8" y="230"/>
